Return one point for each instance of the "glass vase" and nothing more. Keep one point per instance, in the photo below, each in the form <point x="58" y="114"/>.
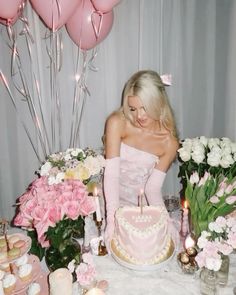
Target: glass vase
<point x="223" y="273"/>
<point x="208" y="282"/>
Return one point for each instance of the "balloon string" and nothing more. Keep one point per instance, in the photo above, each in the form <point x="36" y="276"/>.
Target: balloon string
<point x="25" y="91"/>
<point x="91" y="65"/>
<point x="83" y="93"/>
<point x="75" y="99"/>
<point x="18" y="114"/>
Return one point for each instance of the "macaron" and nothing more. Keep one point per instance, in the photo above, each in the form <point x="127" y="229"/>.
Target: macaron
<point x="3" y="244"/>
<point x="3" y="257"/>
<point x="13" y="253"/>
<point x="19" y="244"/>
<point x="12" y="240"/>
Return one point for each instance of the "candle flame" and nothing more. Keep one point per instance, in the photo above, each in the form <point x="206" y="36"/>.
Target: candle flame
<point x="189" y="242"/>
<point x="185" y="204"/>
<point x="95" y="191"/>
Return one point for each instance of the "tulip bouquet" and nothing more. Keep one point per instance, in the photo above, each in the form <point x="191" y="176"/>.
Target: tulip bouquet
<point x="208" y="175"/>
<point x="54" y="206"/>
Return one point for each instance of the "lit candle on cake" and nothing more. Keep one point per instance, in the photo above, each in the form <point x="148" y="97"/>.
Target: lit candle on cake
<point x="98" y="210"/>
<point x="60" y="282"/>
<point x="185" y="225"/>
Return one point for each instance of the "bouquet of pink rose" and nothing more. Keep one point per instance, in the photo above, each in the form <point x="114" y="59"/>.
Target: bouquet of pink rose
<point x="54" y="206"/>
<point x="53" y="215"/>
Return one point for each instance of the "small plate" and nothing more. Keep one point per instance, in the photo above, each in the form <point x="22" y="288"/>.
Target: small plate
<point x="141" y="267"/>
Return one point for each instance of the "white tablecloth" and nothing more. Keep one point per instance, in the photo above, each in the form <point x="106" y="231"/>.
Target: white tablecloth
<point x="167" y="280"/>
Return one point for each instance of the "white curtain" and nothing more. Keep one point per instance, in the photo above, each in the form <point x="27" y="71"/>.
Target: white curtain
<point x="193" y="40"/>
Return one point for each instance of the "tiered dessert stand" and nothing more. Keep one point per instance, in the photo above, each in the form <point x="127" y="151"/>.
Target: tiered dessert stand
<point x="37" y="275"/>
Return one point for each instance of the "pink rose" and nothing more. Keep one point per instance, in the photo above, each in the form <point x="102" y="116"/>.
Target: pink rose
<point x="20" y="220"/>
<point x="71" y="209"/>
<point x="85" y="274"/>
<point x="87" y="206"/>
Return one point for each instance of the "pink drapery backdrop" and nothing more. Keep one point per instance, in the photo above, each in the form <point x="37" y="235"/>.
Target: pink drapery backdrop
<point x="192" y="40"/>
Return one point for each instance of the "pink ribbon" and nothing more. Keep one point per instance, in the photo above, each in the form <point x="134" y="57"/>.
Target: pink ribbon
<point x="166" y="79"/>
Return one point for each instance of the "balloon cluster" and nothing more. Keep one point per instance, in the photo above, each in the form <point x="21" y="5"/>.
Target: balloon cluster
<point x="88" y="22"/>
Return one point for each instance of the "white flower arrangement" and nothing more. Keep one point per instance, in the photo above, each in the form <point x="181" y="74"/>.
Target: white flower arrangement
<point x="84" y="165"/>
<point x="212" y="152"/>
<point x="208" y="174"/>
<point x="218" y="240"/>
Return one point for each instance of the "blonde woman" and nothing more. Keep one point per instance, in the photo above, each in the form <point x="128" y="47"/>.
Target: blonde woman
<point x="140" y="145"/>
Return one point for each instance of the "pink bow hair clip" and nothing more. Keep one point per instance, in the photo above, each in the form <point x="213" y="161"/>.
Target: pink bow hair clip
<point x="166" y="79"/>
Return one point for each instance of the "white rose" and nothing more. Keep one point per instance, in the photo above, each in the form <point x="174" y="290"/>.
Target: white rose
<point x="202" y="241"/>
<point x="92" y="164"/>
<point x="187" y="143"/>
<point x="213" y="159"/>
<point x="67" y="157"/>
<point x="198" y="156"/>
<point x="204" y="140"/>
<point x="226" y="161"/>
<point x="213" y="263"/>
<point x="75" y="152"/>
<point x="60" y="176"/>
<point x="233" y="147"/>
<point x="51" y="180"/>
<point x="214" y="226"/>
<point x="213" y="142"/>
<point x="45" y="169"/>
<point x="185" y="154"/>
<point x="226" y="150"/>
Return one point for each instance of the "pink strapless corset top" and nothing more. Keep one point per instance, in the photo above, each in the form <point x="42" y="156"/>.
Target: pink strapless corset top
<point x="135" y="168"/>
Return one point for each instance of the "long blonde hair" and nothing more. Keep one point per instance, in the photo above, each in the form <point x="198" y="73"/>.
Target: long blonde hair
<point x="148" y="86"/>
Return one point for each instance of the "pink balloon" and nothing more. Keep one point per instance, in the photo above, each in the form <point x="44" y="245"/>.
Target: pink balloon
<point x="104" y="5"/>
<point x="55" y="13"/>
<point x="87" y="27"/>
<point x="9" y="21"/>
<point x="9" y="8"/>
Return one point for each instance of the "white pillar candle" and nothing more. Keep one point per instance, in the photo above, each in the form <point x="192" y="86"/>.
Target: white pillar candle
<point x="60" y="282"/>
<point x="185" y="225"/>
<point x="1" y="288"/>
<point x="95" y="291"/>
<point x="98" y="210"/>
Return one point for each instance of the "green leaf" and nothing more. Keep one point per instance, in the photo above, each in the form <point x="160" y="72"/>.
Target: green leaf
<point x="36" y="248"/>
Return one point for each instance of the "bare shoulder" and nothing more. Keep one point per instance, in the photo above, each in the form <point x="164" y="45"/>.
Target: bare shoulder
<point x="115" y="122"/>
<point x="172" y="143"/>
<point x="169" y="149"/>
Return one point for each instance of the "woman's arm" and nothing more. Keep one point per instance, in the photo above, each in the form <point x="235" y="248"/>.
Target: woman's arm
<point x="113" y="135"/>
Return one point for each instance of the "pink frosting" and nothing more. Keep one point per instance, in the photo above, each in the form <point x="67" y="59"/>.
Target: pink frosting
<point x="143" y="237"/>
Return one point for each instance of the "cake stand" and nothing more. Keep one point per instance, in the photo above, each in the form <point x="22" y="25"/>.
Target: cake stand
<point x="37" y="275"/>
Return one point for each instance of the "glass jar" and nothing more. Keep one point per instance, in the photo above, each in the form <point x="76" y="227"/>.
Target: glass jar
<point x="223" y="273"/>
<point x="208" y="282"/>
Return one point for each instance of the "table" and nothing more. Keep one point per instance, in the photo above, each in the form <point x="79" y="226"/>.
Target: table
<point x="166" y="280"/>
